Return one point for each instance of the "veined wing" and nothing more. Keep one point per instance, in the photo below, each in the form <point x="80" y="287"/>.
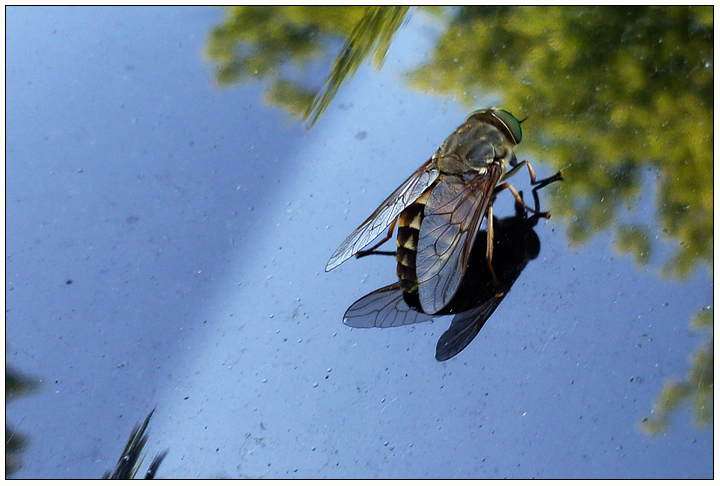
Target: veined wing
<point x="465" y="326"/>
<point x="385" y="307"/>
<point x="453" y="215"/>
<point x="403" y="196"/>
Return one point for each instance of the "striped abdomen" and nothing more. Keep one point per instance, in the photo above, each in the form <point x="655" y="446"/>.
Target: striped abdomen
<point x="407" y="241"/>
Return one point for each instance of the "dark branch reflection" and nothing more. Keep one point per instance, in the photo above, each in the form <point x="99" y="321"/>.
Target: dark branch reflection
<point x="16" y="385"/>
<point x="133" y="456"/>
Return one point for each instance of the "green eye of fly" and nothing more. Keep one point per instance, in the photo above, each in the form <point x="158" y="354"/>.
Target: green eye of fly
<point x="501" y="119"/>
<point x="511" y="123"/>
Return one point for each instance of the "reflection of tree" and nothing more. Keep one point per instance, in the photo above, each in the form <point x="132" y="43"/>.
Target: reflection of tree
<point x="256" y="42"/>
<point x="611" y="93"/>
<point x="697" y="389"/>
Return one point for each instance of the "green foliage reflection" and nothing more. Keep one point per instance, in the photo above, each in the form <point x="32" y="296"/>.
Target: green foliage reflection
<point x="255" y="42"/>
<point x="696" y="389"/>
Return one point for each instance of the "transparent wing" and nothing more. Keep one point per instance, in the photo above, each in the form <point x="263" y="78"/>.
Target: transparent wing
<point x="453" y="215"/>
<point x="385" y="307"/>
<point x="465" y="326"/>
<point x="403" y="196"/>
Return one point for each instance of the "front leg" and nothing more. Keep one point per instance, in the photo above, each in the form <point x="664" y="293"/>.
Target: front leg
<point x="537" y="185"/>
<point x="373" y="250"/>
<point x="542" y="183"/>
<point x="499" y="292"/>
<point x="518" y="198"/>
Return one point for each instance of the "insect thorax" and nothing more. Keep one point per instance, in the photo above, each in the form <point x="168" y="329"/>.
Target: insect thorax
<point x="473" y="146"/>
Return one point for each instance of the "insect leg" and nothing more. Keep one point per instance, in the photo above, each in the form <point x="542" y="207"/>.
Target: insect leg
<point x="531" y="172"/>
<point x="518" y="198"/>
<point x="514" y="170"/>
<point x="538" y="185"/>
<point x="489" y="252"/>
<point x="542" y="183"/>
<point x="372" y="251"/>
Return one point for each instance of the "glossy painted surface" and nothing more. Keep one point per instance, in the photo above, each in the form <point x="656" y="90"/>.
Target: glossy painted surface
<point x="166" y="240"/>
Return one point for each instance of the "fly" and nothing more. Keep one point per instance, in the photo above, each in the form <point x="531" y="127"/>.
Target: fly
<point x="441" y="206"/>
<point x="475" y="301"/>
